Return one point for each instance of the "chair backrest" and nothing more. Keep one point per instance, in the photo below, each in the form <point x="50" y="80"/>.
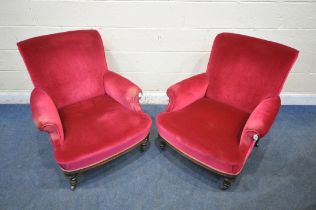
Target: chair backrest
<point x="68" y="66"/>
<point x="244" y="70"/>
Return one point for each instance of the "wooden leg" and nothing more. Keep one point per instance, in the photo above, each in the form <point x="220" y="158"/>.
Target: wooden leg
<point x="257" y="144"/>
<point x="145" y="144"/>
<point x="73" y="180"/>
<point x="162" y="143"/>
<point x="227" y="181"/>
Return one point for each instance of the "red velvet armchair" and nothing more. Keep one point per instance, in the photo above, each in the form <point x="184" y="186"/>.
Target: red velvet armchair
<point x="216" y="118"/>
<point x="92" y="115"/>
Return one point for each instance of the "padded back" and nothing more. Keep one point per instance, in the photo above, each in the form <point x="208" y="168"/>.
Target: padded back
<point x="68" y="66"/>
<point x="244" y="70"/>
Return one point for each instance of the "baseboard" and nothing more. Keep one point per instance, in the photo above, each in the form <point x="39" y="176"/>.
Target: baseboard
<point x="298" y="99"/>
<point x="18" y="97"/>
<point x="286" y="98"/>
<point x="159" y="97"/>
<point x="154" y="97"/>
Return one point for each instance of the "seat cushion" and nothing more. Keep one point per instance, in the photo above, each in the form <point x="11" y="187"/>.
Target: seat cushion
<point x="96" y="130"/>
<point x="208" y="132"/>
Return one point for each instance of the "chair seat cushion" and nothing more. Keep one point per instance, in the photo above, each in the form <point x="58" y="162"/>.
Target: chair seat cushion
<point x="96" y="130"/>
<point x="208" y="132"/>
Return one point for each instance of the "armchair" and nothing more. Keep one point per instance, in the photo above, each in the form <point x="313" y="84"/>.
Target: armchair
<point x="216" y="118"/>
<point x="79" y="102"/>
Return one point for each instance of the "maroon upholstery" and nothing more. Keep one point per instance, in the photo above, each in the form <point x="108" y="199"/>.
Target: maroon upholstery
<point x="212" y="117"/>
<point x="90" y="112"/>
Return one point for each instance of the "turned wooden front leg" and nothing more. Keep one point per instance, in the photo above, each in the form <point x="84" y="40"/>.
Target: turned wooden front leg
<point x="73" y="180"/>
<point x="145" y="144"/>
<point x="227" y="181"/>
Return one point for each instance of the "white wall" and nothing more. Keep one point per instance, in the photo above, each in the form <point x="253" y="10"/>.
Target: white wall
<point x="157" y="43"/>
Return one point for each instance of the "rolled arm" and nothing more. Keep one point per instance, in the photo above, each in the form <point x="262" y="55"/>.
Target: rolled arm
<point x="260" y="120"/>
<point x="122" y="90"/>
<point x="187" y="91"/>
<point x="46" y="117"/>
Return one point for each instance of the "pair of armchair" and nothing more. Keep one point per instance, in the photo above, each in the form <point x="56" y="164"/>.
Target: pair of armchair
<point x="93" y="115"/>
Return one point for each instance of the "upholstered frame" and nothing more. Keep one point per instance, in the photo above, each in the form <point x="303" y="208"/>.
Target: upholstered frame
<point x="70" y="68"/>
<point x="243" y="73"/>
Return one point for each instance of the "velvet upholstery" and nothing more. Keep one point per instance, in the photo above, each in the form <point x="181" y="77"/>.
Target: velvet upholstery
<point x="68" y="66"/>
<point x="212" y="117"/>
<point x="187" y="91"/>
<point x="98" y="128"/>
<point x="90" y="113"/>
<point x="45" y="116"/>
<point x="260" y="120"/>
<point x="245" y="70"/>
<point x="126" y="92"/>
<point x="208" y="131"/>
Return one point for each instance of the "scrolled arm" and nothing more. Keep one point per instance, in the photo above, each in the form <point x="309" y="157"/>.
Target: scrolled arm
<point x="46" y="117"/>
<point x="122" y="90"/>
<point x="187" y="91"/>
<point x="260" y="120"/>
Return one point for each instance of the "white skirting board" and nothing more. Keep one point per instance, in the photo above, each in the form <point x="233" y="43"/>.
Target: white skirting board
<point x="159" y="97"/>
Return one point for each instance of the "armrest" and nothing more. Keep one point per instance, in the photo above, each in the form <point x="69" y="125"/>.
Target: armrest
<point x="46" y="117"/>
<point x="260" y="120"/>
<point x="122" y="90"/>
<point x="187" y="91"/>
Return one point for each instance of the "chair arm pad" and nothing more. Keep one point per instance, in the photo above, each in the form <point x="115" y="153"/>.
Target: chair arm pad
<point x="187" y="91"/>
<point x="45" y="116"/>
<point x="261" y="119"/>
<point x="122" y="90"/>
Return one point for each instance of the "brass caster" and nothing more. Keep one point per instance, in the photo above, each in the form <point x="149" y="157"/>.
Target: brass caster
<point x="72" y="188"/>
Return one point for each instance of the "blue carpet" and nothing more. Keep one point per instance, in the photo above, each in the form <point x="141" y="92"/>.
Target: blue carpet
<point x="280" y="174"/>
